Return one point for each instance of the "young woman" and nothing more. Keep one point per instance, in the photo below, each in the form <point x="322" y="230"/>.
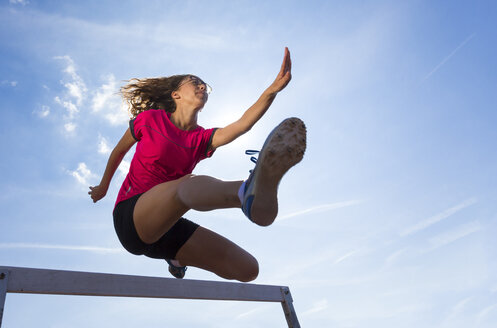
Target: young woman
<point x="159" y="188"/>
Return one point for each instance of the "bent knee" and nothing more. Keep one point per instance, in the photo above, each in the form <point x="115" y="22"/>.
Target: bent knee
<point x="249" y="272"/>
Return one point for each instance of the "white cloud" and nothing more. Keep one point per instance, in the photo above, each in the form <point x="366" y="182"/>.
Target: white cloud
<point x="19" y="2"/>
<point x="43" y="112"/>
<point x="449" y="56"/>
<point x="107" y="102"/>
<point x="104" y="94"/>
<point x="76" y="91"/>
<point x="103" y="146"/>
<point x="455" y="234"/>
<point x="483" y="313"/>
<point x="316" y="307"/>
<point x="295" y="268"/>
<point x="10" y="83"/>
<point x="349" y="254"/>
<point x="70" y="127"/>
<point x="117" y="114"/>
<point x="83" y="174"/>
<point x="394" y="256"/>
<point x="461" y="304"/>
<point x="436" y="218"/>
<point x="71" y="108"/>
<point x="124" y="167"/>
<point x="75" y="86"/>
<point x="456" y="311"/>
<point x="319" y="208"/>
<point x="248" y="313"/>
<point x="93" y="249"/>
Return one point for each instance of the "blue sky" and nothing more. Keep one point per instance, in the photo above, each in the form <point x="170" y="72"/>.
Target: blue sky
<point x="390" y="220"/>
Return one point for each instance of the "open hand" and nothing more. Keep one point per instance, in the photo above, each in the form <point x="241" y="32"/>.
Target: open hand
<point x="285" y="74"/>
<point x="96" y="193"/>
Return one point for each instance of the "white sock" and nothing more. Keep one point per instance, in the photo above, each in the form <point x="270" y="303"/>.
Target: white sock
<point x="241" y="192"/>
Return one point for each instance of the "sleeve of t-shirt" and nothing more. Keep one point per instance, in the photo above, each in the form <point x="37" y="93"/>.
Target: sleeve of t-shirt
<point x="205" y="143"/>
<point x="136" y="125"/>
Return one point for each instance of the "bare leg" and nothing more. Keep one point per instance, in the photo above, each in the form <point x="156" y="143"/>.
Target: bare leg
<point x="158" y="209"/>
<point x="210" y="251"/>
<point x="204" y="193"/>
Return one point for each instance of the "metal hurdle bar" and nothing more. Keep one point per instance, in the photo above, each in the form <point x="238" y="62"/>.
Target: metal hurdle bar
<point x="57" y="282"/>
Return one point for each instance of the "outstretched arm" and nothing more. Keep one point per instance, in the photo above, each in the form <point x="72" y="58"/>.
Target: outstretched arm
<point x="98" y="192"/>
<point x="254" y="113"/>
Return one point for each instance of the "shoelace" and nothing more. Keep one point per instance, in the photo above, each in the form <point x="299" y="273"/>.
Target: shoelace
<point x="253" y="159"/>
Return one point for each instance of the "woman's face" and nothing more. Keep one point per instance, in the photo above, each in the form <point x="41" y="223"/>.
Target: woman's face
<point x="193" y="89"/>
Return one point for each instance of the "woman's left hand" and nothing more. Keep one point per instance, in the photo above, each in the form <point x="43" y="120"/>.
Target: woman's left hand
<point x="285" y="74"/>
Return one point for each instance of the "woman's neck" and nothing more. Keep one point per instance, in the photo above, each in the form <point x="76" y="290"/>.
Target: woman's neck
<point x="184" y="120"/>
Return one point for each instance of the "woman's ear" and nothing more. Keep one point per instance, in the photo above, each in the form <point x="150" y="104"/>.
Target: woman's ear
<point x="175" y="95"/>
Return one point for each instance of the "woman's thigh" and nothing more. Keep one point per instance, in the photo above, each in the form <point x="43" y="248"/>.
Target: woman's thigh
<point x="210" y="251"/>
<point x="157" y="210"/>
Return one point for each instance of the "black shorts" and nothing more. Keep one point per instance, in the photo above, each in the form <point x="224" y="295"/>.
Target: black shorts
<point x="165" y="248"/>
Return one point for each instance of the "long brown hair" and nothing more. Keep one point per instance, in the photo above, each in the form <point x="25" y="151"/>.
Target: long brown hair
<point x="151" y="93"/>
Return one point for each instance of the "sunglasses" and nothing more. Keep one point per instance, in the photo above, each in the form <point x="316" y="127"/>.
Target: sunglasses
<point x="197" y="82"/>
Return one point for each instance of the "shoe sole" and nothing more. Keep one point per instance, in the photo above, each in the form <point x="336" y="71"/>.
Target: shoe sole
<point x="283" y="148"/>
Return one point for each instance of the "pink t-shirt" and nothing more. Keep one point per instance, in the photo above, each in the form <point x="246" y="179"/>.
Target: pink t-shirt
<point x="163" y="152"/>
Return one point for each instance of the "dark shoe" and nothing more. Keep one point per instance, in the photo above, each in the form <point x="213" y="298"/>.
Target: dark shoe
<point x="178" y="272"/>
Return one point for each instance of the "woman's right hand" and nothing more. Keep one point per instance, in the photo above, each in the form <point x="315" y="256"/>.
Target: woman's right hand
<point x="97" y="193"/>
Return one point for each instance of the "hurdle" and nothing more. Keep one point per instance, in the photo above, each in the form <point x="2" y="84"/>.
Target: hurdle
<point x="59" y="282"/>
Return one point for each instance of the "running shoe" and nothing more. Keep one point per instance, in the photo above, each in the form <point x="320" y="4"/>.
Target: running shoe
<point x="176" y="271"/>
<point x="283" y="148"/>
